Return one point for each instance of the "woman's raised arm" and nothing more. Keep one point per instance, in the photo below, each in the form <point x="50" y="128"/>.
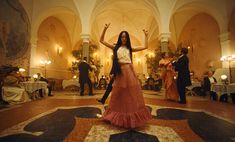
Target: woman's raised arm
<point x="145" y="42"/>
<point x="102" y="37"/>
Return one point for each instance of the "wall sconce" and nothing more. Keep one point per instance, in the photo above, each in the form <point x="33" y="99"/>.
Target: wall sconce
<point x="189" y="45"/>
<point x="151" y="54"/>
<point x="58" y="49"/>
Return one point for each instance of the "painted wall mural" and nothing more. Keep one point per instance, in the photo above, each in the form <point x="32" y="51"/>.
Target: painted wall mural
<point x="14" y="29"/>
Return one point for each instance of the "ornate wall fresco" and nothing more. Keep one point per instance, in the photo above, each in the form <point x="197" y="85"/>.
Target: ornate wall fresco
<point x="14" y="33"/>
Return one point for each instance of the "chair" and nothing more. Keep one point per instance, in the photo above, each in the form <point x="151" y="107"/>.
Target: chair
<point x="12" y="92"/>
<point x="190" y="89"/>
<point x="158" y="85"/>
<point x="14" y="95"/>
<point x="150" y="84"/>
<point x="102" y="83"/>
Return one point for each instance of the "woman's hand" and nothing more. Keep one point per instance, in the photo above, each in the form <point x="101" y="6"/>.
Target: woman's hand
<point x="146" y="38"/>
<point x="106" y="26"/>
<point x="145" y="32"/>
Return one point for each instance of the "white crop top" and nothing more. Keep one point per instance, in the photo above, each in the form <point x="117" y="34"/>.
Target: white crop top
<point x="123" y="55"/>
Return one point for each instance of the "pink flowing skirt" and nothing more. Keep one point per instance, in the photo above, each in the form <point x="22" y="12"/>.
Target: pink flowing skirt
<point x="170" y="86"/>
<point x="126" y="107"/>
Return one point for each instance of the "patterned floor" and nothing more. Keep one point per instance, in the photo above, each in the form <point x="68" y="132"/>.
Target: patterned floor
<point x="69" y="117"/>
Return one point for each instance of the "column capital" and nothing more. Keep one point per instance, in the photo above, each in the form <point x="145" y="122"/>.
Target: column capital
<point x="224" y="36"/>
<point x="85" y="37"/>
<point x="164" y="37"/>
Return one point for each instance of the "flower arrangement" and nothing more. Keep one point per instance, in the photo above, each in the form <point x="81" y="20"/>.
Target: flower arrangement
<point x="94" y="58"/>
<point x="153" y="61"/>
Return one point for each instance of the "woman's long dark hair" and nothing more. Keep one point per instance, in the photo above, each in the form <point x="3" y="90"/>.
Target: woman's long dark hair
<point x="117" y="69"/>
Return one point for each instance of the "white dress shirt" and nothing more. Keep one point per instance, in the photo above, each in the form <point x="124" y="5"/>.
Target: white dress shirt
<point x="123" y="55"/>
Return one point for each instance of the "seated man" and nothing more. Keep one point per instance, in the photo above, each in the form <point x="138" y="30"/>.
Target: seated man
<point x="102" y="83"/>
<point x="158" y="83"/>
<point x="150" y="83"/>
<point x="206" y="86"/>
<point x="40" y="78"/>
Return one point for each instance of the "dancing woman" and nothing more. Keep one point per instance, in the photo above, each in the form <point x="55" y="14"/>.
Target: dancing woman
<point x="171" y="92"/>
<point x="126" y="107"/>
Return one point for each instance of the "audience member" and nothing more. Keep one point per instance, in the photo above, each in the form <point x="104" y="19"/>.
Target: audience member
<point x="150" y="83"/>
<point x="49" y="87"/>
<point x="158" y="83"/>
<point x="206" y="85"/>
<point x="183" y="79"/>
<point x="102" y="82"/>
<point x="84" y="69"/>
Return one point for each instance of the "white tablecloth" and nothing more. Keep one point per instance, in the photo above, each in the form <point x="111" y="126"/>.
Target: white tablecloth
<point x="31" y="86"/>
<point x="14" y="95"/>
<point x="70" y="82"/>
<point x="221" y="88"/>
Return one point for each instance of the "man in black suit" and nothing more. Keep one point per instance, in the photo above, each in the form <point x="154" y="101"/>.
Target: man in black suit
<point x="150" y="83"/>
<point x="84" y="69"/>
<point x="183" y="80"/>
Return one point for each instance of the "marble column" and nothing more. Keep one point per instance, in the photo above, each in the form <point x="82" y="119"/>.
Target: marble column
<point x="85" y="46"/>
<point x="33" y="62"/>
<point x="226" y="51"/>
<point x="164" y="38"/>
<point x="225" y="47"/>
